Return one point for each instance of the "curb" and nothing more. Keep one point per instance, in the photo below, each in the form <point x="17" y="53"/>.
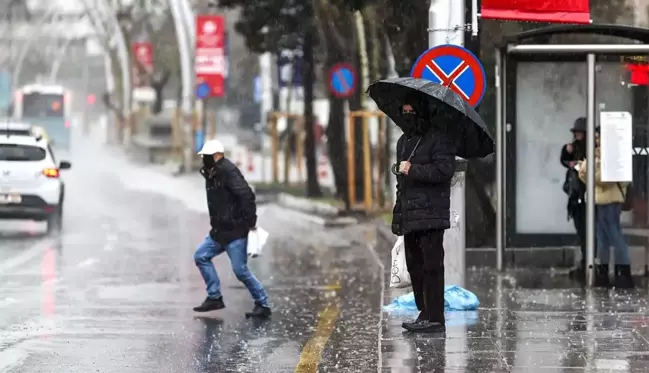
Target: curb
<point x="316" y="212"/>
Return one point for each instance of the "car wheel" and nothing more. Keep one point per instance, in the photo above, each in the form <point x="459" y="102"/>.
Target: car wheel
<point x="55" y="221"/>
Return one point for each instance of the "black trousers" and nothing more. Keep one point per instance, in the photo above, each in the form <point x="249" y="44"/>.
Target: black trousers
<point x="425" y="261"/>
<point x="579" y="219"/>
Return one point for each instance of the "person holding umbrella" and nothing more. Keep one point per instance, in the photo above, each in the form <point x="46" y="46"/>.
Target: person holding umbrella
<point x="426" y="165"/>
<point x="437" y="125"/>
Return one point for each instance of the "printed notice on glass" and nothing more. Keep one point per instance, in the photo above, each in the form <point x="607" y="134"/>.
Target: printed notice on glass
<point x="616" y="144"/>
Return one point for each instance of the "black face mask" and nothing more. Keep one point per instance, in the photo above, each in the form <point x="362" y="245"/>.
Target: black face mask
<point x="208" y="161"/>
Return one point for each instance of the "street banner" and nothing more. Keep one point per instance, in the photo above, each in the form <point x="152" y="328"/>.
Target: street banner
<point x="142" y="60"/>
<point x="210" y="59"/>
<point x="557" y="11"/>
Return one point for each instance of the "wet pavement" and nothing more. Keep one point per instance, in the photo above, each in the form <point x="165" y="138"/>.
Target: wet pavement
<point x="528" y="321"/>
<point x="114" y="292"/>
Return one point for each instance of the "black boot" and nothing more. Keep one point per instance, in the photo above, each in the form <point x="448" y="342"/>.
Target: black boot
<point x="601" y="276"/>
<point x="259" y="311"/>
<point x="623" y="278"/>
<point x="210" y="304"/>
<point x="425" y="326"/>
<point x="410" y="325"/>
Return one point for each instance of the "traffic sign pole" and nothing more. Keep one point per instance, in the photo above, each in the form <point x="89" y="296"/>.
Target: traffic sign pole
<point x="440" y="15"/>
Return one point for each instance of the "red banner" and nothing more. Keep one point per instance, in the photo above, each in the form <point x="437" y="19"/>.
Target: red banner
<point x="558" y="11"/>
<point x="210" y="53"/>
<point x="639" y="74"/>
<point x="142" y="59"/>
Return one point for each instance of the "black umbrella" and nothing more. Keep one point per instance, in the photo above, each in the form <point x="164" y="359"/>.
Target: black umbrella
<point x="439" y="105"/>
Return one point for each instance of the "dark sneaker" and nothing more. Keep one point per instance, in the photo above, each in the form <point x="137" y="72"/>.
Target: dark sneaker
<point x="425" y="326"/>
<point x="601" y="276"/>
<point x="210" y="305"/>
<point x="259" y="311"/>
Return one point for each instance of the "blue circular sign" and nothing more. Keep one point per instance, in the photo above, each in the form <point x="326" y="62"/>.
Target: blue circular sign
<point x="342" y="80"/>
<point x="203" y="90"/>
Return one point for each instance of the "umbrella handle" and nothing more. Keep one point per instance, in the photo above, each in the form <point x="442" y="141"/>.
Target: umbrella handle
<point x="395" y="169"/>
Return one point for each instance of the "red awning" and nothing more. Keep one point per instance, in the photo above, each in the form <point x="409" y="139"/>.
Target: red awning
<point x="557" y="11"/>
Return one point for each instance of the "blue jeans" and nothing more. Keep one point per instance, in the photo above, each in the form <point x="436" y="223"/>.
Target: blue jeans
<point x="237" y="251"/>
<point x="609" y="233"/>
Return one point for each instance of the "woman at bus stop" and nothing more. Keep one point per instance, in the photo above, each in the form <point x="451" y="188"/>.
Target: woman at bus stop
<point x="426" y="165"/>
<point x="609" y="197"/>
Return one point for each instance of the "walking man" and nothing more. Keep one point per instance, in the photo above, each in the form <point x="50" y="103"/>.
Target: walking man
<point x="233" y="214"/>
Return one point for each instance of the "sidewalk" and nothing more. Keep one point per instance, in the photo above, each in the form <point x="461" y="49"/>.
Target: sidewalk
<point x="528" y="321"/>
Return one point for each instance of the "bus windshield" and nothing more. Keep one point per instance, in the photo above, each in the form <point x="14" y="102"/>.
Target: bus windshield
<point x="38" y="105"/>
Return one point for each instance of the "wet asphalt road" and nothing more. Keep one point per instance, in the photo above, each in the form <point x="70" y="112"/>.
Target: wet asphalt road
<point x="114" y="292"/>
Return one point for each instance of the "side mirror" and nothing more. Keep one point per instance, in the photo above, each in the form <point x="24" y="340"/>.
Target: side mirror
<point x="65" y="165"/>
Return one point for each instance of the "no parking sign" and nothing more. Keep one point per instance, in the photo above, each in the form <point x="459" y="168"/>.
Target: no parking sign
<point x="454" y="67"/>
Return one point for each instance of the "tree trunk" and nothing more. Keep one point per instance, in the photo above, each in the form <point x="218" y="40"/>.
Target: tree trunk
<point x="312" y="186"/>
<point x="336" y="141"/>
<point x="356" y="104"/>
<point x="335" y="130"/>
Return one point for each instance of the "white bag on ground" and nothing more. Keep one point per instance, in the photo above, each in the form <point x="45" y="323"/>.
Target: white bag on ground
<point x="256" y="241"/>
<point x="399" y="276"/>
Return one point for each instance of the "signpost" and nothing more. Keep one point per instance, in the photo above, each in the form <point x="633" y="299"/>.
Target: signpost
<point x="210" y="65"/>
<point x="210" y="53"/>
<point x="454" y="67"/>
<point x="342" y="80"/>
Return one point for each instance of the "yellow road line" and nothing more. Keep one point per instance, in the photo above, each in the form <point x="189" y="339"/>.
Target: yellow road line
<point x="335" y="286"/>
<point x="312" y="351"/>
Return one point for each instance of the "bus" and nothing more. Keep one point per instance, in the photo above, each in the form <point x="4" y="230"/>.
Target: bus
<point x="46" y="106"/>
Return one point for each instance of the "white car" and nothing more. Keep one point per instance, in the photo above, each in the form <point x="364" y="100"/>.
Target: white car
<point x="30" y="183"/>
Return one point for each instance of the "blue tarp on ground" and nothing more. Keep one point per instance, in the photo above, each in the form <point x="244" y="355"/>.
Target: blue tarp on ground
<point x="456" y="298"/>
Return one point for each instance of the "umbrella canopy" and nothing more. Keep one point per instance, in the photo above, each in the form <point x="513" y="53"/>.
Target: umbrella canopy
<point x="439" y="105"/>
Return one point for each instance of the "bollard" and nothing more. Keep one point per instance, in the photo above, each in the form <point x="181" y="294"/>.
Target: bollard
<point x="455" y="236"/>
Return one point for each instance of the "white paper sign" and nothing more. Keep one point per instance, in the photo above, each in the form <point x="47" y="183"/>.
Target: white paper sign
<point x="616" y="142"/>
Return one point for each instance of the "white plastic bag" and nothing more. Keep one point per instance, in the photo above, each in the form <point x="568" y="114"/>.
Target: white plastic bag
<point x="256" y="241"/>
<point x="399" y="276"/>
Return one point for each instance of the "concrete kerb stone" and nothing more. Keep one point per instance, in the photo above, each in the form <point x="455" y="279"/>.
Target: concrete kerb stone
<point x="321" y="213"/>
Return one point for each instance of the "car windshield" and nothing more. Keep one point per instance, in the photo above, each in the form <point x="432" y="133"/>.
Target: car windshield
<point x="15" y="152"/>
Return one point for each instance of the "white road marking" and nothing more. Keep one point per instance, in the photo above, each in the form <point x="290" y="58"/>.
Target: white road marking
<point x="26" y="256"/>
<point x="87" y="263"/>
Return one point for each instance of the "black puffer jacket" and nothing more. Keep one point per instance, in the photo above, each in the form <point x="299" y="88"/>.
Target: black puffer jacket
<point x="230" y="201"/>
<point x="424" y="195"/>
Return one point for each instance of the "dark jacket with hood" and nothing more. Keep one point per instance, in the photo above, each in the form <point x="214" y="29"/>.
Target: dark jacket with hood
<point x="572" y="186"/>
<point x="230" y="201"/>
<point x="424" y="195"/>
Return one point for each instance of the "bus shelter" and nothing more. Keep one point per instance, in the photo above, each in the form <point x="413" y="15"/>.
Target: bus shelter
<point x="541" y="88"/>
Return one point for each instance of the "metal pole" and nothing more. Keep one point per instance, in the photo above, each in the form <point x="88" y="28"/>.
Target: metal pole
<point x="186" y="70"/>
<point x="500" y="161"/>
<point x="580" y="48"/>
<point x="189" y="21"/>
<point x="122" y="52"/>
<point x="446" y="20"/>
<point x="590" y="169"/>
